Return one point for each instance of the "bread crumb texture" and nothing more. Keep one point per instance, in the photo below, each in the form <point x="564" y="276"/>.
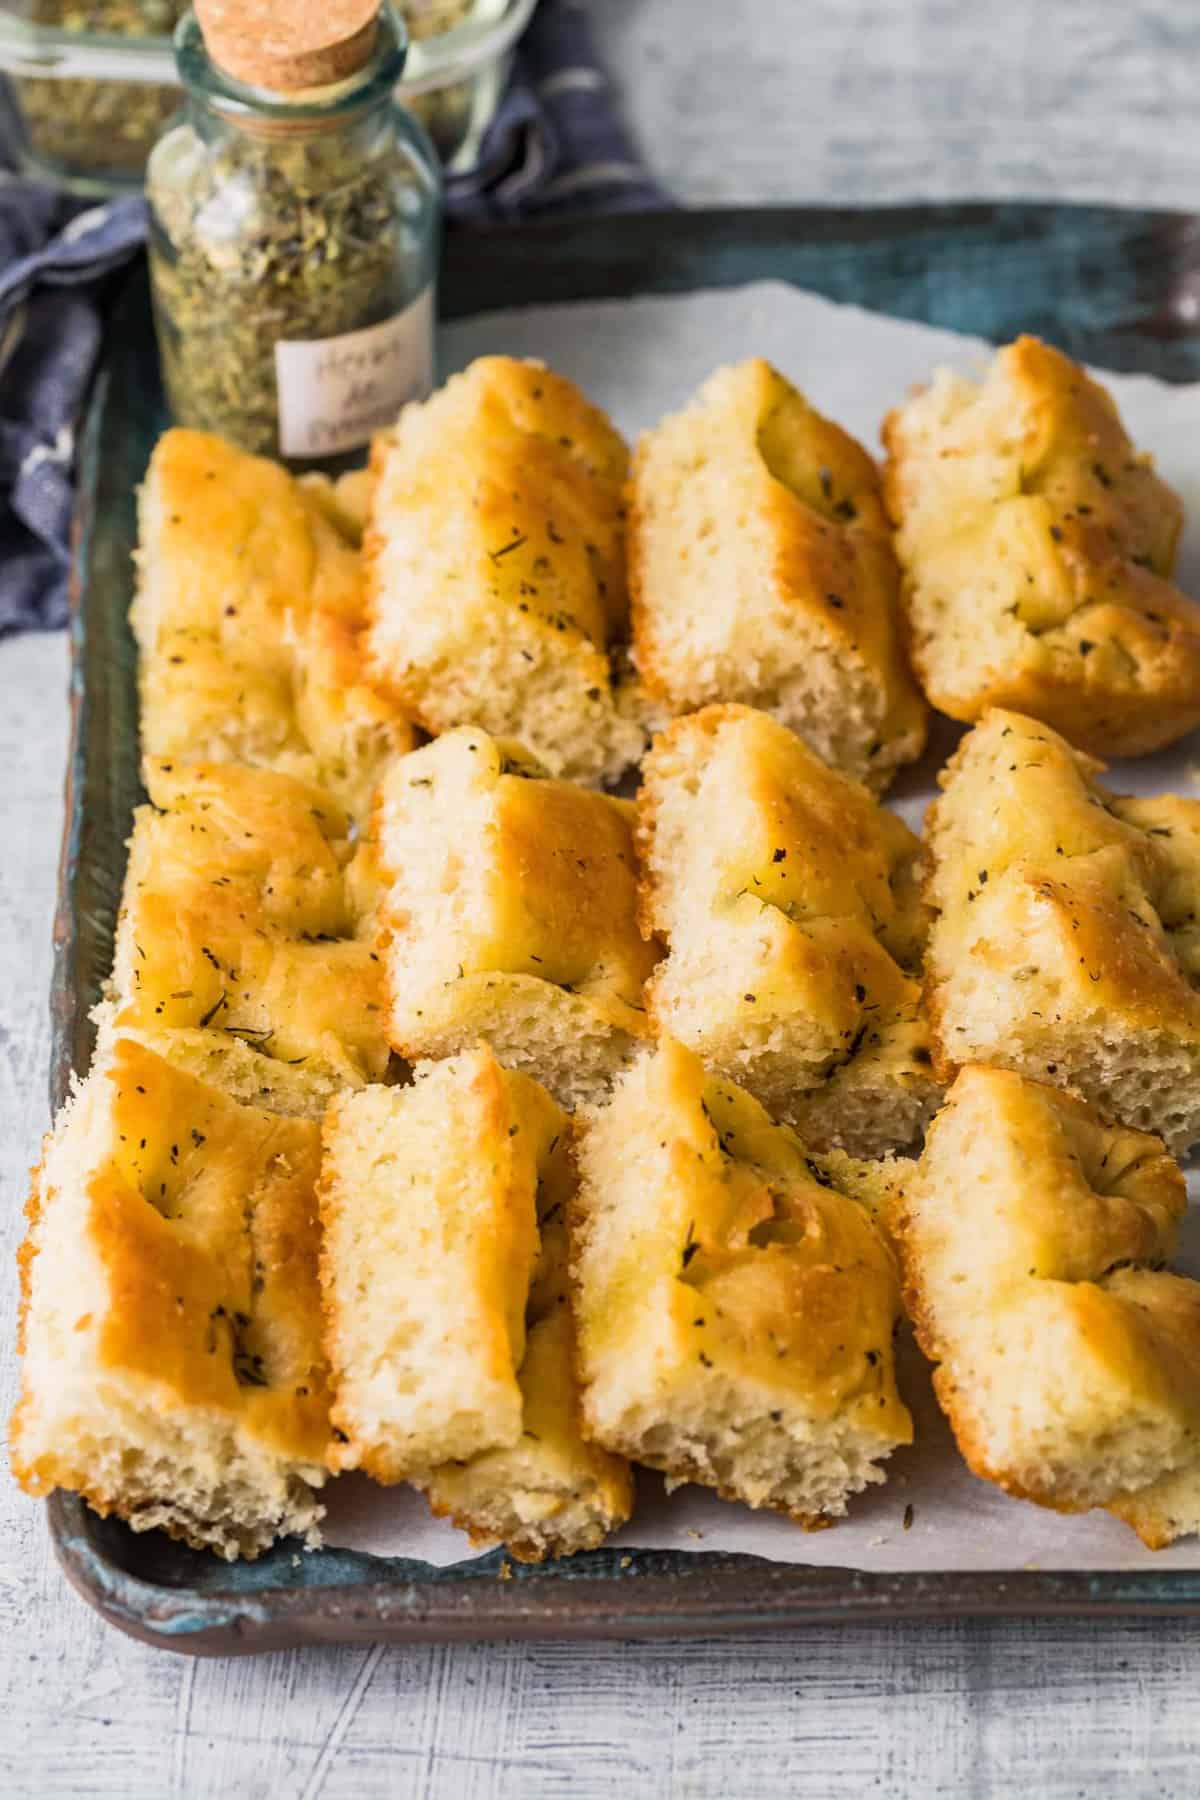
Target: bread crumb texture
<point x="1038" y="547"/>
<point x="1032" y="1237"/>
<point x="1066" y="941"/>
<point x="762" y="571"/>
<point x="509" y="912"/>
<point x="249" y="618"/>
<point x="172" y="1368"/>
<point x="735" y="1306"/>
<point x="448" y="1328"/>
<point x="496" y="566"/>
<point x="238" y="936"/>
<point x="789" y="903"/>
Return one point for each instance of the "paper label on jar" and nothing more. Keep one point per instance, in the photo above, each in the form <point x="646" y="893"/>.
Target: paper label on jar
<point x="335" y="391"/>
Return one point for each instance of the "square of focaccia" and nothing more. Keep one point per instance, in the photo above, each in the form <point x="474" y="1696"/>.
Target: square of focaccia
<point x="172" y="1368"/>
<point x="248" y="618"/>
<point x="234" y="547"/>
<point x="496" y="566"/>
<point x="761" y="570"/>
<point x="1066" y="942"/>
<point x="734" y="1307"/>
<point x="236" y="922"/>
<point x="1038" y="547"/>
<point x="510" y="913"/>
<point x="449" y="1332"/>
<point x="789" y="904"/>
<point x="1032" y="1236"/>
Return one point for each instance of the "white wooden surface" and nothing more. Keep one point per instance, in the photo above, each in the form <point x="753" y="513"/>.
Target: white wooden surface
<point x="745" y="100"/>
<point x="848" y="101"/>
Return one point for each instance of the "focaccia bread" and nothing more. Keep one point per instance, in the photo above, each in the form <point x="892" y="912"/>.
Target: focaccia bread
<point x="172" y="1368"/>
<point x="248" y="618"/>
<point x="1067" y="934"/>
<point x="224" y="1061"/>
<point x="231" y="543"/>
<point x="236" y="923"/>
<point x="1038" y="547"/>
<point x="496" y="566"/>
<point x="789" y="904"/>
<point x="1032" y="1237"/>
<point x="509" y="911"/>
<point x="449" y="1333"/>
<point x="735" y="1308"/>
<point x="1168" y="1508"/>
<point x="761" y="570"/>
<point x="345" y="500"/>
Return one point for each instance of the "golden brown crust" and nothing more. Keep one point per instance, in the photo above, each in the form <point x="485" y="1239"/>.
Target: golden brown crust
<point x="922" y="1315"/>
<point x="1095" y="1208"/>
<point x="1166" y="1510"/>
<point x="842" y="851"/>
<point x="24" y="1472"/>
<point x="1031" y="506"/>
<point x="678" y="1469"/>
<point x="496" y="566"/>
<point x="544" y="405"/>
<point x="565" y="875"/>
<point x="442" y="1264"/>
<point x="717" y="1269"/>
<point x="813" y="495"/>
<point x="27" y="1249"/>
<point x="1028" y="860"/>
<point x="249" y="616"/>
<point x="494" y="1125"/>
<point x="236" y="918"/>
<point x="198" y="1247"/>
<point x="174" y="1297"/>
<point x="794" y="923"/>
<point x="507" y="893"/>
<point x="544" y="469"/>
<point x="237" y="531"/>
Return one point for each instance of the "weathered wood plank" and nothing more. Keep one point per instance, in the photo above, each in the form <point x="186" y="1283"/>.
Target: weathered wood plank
<point x="888" y="100"/>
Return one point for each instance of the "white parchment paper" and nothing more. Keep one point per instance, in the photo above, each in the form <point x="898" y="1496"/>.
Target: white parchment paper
<point x="640" y="358"/>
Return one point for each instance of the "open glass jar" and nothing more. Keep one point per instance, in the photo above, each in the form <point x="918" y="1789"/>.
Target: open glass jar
<point x="293" y="250"/>
<point x="82" y="82"/>
<point x="92" y="82"/>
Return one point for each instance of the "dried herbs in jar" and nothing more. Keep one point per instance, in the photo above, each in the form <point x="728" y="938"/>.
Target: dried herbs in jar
<point x="445" y="112"/>
<point x="292" y="238"/>
<point x="101" y="128"/>
<point x="430" y="18"/>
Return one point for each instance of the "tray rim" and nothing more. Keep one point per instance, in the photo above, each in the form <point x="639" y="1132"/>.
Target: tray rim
<point x="608" y="1594"/>
<point x="469" y="1604"/>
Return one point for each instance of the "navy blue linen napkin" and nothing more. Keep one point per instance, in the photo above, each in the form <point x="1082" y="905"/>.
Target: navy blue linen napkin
<point x="556" y="146"/>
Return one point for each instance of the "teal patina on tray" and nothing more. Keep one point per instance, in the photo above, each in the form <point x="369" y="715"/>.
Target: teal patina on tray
<point x="1114" y="288"/>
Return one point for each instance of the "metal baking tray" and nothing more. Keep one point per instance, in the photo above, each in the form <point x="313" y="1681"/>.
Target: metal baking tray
<point x="1120" y="289"/>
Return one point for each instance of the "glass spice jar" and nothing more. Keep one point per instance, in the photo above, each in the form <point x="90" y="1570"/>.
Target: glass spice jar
<point x="81" y="128"/>
<point x="293" y="242"/>
<point x="445" y="112"/>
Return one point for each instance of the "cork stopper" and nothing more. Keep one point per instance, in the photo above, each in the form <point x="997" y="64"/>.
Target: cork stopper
<point x="288" y="45"/>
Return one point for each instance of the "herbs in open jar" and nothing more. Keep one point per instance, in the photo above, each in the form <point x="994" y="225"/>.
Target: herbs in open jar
<point x="78" y="128"/>
<point x="293" y="230"/>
